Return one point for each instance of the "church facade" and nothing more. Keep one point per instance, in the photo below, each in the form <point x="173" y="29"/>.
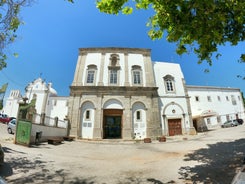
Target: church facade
<point x="121" y="93"/>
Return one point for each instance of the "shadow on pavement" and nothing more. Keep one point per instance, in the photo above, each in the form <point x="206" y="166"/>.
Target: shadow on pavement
<point x="218" y="163"/>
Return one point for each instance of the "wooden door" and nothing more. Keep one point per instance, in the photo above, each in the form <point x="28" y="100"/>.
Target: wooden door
<point x="174" y="127"/>
<point x="112" y="124"/>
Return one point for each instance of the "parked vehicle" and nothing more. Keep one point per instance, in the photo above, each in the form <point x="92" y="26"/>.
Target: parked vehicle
<point x="11" y="126"/>
<point x="1" y="155"/>
<point x="230" y="123"/>
<point x="4" y="118"/>
<point x="240" y="121"/>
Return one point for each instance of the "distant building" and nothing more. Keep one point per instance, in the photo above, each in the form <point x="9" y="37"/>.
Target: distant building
<point x="47" y="101"/>
<point x="212" y="106"/>
<point x="11" y="105"/>
<point x="120" y="93"/>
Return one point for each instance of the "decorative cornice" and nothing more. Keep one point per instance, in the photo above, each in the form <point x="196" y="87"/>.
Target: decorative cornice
<point x="115" y="50"/>
<point x="213" y="88"/>
<point x="114" y="90"/>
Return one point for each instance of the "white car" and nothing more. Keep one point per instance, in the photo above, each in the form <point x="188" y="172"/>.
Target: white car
<point x="11" y="126"/>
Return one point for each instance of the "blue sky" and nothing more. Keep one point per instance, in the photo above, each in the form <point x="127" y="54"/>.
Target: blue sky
<point x="53" y="31"/>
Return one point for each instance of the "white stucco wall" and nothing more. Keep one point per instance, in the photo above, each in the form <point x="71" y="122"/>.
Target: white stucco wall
<point x="161" y="69"/>
<point x="173" y="105"/>
<point x="47" y="132"/>
<point x="95" y="59"/>
<point x="223" y="106"/>
<point x="57" y="107"/>
<point x="136" y="59"/>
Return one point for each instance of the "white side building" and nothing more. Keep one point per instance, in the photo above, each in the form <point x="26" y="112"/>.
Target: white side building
<point x="212" y="106"/>
<point x="174" y="105"/>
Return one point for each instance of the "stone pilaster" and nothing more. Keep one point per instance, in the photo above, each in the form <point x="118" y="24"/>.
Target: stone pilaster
<point x="153" y="119"/>
<point x="78" y="77"/>
<point x="74" y="116"/>
<point x="98" y="121"/>
<point x="127" y="119"/>
<point x="126" y="83"/>
<point x="149" y="76"/>
<point x="101" y="78"/>
<point x="192" y="130"/>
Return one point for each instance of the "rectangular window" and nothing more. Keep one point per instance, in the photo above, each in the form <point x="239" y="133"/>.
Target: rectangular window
<point x="218" y="119"/>
<point x="87" y="114"/>
<point x="113" y="76"/>
<point x="208" y="121"/>
<point x="233" y="100"/>
<point x="227" y="117"/>
<point x="169" y="85"/>
<point x="209" y="98"/>
<point x="227" y="98"/>
<point x="90" y="76"/>
<point x="197" y="98"/>
<point x="138" y="115"/>
<point x="218" y="97"/>
<point x="55" y="102"/>
<point x="136" y="75"/>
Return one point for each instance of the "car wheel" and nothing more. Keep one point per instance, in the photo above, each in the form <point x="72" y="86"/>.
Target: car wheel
<point x="9" y="131"/>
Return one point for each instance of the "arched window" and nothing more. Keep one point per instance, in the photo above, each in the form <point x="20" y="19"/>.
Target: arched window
<point x="169" y="84"/>
<point x="91" y="74"/>
<point x="136" y="75"/>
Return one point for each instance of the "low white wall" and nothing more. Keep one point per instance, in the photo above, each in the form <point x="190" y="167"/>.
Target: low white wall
<point x="47" y="132"/>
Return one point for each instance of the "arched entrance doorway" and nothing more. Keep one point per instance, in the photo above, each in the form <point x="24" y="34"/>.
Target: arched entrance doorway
<point x="112" y="119"/>
<point x="112" y="124"/>
<point x="139" y="120"/>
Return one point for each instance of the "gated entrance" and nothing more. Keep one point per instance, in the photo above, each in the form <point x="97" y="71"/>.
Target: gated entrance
<point x="23" y="132"/>
<point x="174" y="127"/>
<point x="112" y="125"/>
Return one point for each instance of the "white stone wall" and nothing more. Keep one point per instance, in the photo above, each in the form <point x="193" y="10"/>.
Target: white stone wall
<point x="57" y="107"/>
<point x="161" y="69"/>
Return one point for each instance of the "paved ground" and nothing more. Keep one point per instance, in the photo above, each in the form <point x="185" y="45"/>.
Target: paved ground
<point x="212" y="157"/>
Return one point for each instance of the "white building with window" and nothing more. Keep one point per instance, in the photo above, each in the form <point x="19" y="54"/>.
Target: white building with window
<point x="47" y="100"/>
<point x="212" y="106"/>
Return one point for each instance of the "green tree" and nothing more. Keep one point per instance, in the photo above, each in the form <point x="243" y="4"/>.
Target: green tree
<point x="200" y="26"/>
<point x="243" y="99"/>
<point x="9" y="23"/>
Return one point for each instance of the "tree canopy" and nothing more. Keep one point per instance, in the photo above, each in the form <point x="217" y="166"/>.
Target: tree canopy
<point x="200" y="26"/>
<point x="9" y="23"/>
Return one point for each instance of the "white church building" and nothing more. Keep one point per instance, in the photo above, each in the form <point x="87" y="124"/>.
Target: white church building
<point x="120" y="93"/>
